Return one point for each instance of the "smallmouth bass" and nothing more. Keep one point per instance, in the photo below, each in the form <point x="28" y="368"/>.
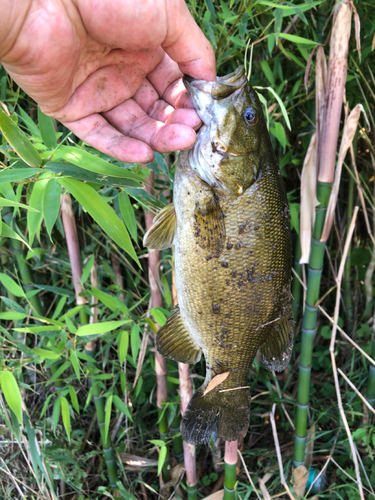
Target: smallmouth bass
<point x="230" y="226"/>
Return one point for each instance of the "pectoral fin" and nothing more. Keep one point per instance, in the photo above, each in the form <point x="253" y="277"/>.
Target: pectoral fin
<point x="276" y="351"/>
<point x="161" y="234"/>
<point x="174" y="341"/>
<point x="209" y="227"/>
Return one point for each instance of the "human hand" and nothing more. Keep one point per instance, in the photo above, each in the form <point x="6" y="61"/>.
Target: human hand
<point x="109" y="71"/>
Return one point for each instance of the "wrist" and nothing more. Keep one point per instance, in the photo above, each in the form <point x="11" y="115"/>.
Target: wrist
<point x="12" y="18"/>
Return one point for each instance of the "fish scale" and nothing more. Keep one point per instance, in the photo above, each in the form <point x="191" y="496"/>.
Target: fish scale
<point x="230" y="227"/>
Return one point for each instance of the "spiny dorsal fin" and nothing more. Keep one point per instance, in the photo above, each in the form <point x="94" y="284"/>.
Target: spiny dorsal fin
<point x="160" y="236"/>
<point x="276" y="351"/>
<point x="209" y="227"/>
<point x="174" y="341"/>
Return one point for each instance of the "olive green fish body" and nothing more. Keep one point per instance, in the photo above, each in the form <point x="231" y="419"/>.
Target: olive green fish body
<point x="231" y="231"/>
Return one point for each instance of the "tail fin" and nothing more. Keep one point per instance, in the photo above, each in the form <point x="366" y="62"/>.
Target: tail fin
<point x="225" y="414"/>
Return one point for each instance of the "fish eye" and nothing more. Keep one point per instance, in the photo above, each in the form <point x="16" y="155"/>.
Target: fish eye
<point x="250" y="116"/>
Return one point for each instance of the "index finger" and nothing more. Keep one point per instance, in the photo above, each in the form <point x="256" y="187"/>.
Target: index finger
<point x="186" y="44"/>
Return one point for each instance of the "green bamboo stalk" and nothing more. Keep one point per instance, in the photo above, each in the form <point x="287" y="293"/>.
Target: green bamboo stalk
<point x="178" y="450"/>
<point x="296" y="283"/>
<point x="230" y="473"/>
<point x="309" y="322"/>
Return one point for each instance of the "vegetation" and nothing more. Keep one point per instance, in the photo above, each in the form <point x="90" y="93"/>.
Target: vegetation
<point x="79" y="414"/>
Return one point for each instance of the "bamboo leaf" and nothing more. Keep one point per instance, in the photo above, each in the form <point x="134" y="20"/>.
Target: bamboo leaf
<point x="56" y="413"/>
<point x="122" y="407"/>
<point x="297" y="39"/>
<point x="135" y="341"/>
<point x="10" y="203"/>
<point x="51" y="203"/>
<point x="87" y="161"/>
<point x="281" y="104"/>
<point x="11" y="285"/>
<point x="12" y="315"/>
<point x="146" y="199"/>
<point x="108" y="300"/>
<point x="7" y="232"/>
<point x="17" y="174"/>
<point x="11" y="393"/>
<point x="159" y="316"/>
<point x="18" y="140"/>
<point x="44" y="353"/>
<point x="100" y="328"/>
<point x="47" y="130"/>
<point x="162" y="457"/>
<point x="69" y="170"/>
<point x="127" y="212"/>
<point x="75" y="363"/>
<point x="74" y="399"/>
<point x="123" y="346"/>
<point x="65" y="415"/>
<point x="101" y="212"/>
<point x="35" y="217"/>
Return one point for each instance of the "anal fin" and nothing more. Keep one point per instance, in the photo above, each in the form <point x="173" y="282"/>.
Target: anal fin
<point x="160" y="236"/>
<point x="174" y="341"/>
<point x="275" y="353"/>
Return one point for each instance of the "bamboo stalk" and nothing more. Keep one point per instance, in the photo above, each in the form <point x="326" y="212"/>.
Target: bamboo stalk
<point x="154" y="257"/>
<point x="327" y="146"/>
<point x="71" y="236"/>
<point x="296" y="283"/>
<point x="230" y="474"/>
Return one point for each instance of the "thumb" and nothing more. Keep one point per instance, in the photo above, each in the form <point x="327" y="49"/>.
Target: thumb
<point x="186" y="44"/>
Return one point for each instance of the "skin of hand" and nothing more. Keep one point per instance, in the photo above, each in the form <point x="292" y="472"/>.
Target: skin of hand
<point x="109" y="71"/>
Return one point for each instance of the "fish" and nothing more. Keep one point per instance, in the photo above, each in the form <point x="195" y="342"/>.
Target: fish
<point x="229" y="224"/>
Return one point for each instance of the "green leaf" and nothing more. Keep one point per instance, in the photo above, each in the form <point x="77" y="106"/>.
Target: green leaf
<point x="10" y="203"/>
<point x="146" y="199"/>
<point x="122" y="407"/>
<point x="44" y="353"/>
<point x="75" y="363"/>
<point x="87" y="161"/>
<point x="16" y="174"/>
<point x="35" y="218"/>
<point x="123" y="346"/>
<point x="268" y="72"/>
<point x="277" y="130"/>
<point x="107" y="417"/>
<point x="84" y="175"/>
<point x="47" y="130"/>
<point x="56" y="413"/>
<point x="11" y="393"/>
<point x="65" y="415"/>
<point x="11" y="285"/>
<point x="108" y="300"/>
<point x="281" y="104"/>
<point x="18" y="140"/>
<point x="135" y="341"/>
<point x="162" y="457"/>
<point x="127" y="212"/>
<point x="58" y="372"/>
<point x="87" y="269"/>
<point x="7" y="232"/>
<point x="12" y="315"/>
<point x="74" y="399"/>
<point x="51" y="203"/>
<point x="101" y="212"/>
<point x="298" y="39"/>
<point x="159" y="316"/>
<point x="29" y="122"/>
<point x="100" y="328"/>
